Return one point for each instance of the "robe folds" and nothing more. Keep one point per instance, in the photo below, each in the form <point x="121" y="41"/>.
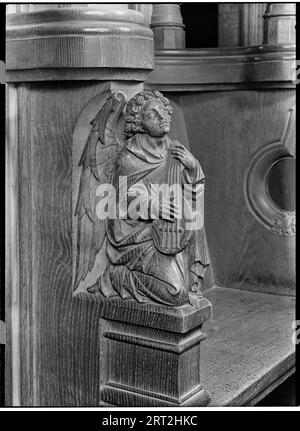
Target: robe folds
<point x="136" y="268"/>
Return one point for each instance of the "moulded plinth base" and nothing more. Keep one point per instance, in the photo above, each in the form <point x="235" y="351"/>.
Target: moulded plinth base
<point x="150" y="354"/>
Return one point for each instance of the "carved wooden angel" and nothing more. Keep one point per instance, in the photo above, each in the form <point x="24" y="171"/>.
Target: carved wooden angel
<point x="137" y="204"/>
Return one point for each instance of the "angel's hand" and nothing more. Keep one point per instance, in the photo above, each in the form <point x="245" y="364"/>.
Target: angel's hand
<point x="168" y="211"/>
<point x="185" y="157"/>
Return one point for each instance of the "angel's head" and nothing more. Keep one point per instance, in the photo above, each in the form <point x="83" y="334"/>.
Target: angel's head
<point x="148" y="112"/>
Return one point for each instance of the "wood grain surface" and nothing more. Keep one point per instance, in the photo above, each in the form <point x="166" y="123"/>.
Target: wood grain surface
<point x="58" y="334"/>
<point x="239" y="65"/>
<point x="248" y="350"/>
<point x="253" y="23"/>
<point x="170" y="319"/>
<point x="280" y="24"/>
<point x="12" y="308"/>
<point x="225" y="130"/>
<point x="230" y="24"/>
<point x="53" y="344"/>
<point x="78" y="37"/>
<point x="59" y="350"/>
<point x="241" y="24"/>
<point x="58" y="360"/>
<point x="151" y="354"/>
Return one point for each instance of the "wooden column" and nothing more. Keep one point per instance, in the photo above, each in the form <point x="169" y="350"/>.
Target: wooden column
<point x="58" y="59"/>
<point x="252" y="24"/>
<point x="249" y="24"/>
<point x="241" y="24"/>
<point x="145" y="8"/>
<point x="280" y="24"/>
<point x="167" y="26"/>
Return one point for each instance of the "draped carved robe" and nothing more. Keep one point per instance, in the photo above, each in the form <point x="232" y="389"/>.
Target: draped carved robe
<point x="136" y="267"/>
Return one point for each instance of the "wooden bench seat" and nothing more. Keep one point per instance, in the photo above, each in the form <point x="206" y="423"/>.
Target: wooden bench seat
<point x="249" y="349"/>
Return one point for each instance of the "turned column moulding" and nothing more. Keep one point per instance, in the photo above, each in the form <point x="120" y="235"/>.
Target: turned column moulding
<point x="105" y="42"/>
<point x="280" y="23"/>
<point x="167" y="26"/>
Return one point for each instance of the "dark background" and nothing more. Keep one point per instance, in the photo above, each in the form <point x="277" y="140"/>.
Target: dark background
<point x="201" y="23"/>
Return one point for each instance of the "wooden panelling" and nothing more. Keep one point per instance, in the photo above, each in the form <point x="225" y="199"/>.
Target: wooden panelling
<point x="230" y="28"/>
<point x="58" y="339"/>
<point x="241" y="24"/>
<point x="12" y="274"/>
<point x="252" y="23"/>
<point x="28" y="323"/>
<point x="225" y="130"/>
<point x="53" y="338"/>
<point x="58" y="333"/>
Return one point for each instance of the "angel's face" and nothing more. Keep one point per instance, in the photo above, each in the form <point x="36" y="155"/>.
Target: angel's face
<point x="156" y="119"/>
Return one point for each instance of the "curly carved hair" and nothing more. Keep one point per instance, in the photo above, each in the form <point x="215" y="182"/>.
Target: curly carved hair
<point x="134" y="108"/>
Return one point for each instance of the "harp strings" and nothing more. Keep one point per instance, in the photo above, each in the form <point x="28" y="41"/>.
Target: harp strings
<point x="171" y="231"/>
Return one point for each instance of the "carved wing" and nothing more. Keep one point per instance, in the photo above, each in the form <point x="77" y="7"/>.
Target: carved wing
<point x="97" y="161"/>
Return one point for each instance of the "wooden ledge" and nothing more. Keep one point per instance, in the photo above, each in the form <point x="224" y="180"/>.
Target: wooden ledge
<point x="245" y="51"/>
<point x="248" y="351"/>
<point x="173" y="319"/>
<point x="223" y="66"/>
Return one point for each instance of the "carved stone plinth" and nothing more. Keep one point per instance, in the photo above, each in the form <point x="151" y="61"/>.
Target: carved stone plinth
<point x="150" y="354"/>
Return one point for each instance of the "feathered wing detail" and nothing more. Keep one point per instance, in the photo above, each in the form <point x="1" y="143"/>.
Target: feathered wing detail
<point x="97" y="160"/>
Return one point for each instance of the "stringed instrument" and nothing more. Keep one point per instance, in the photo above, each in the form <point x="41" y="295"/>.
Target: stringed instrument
<point x="172" y="237"/>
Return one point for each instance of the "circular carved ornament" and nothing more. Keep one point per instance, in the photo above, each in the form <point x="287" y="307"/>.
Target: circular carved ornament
<point x="259" y="195"/>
